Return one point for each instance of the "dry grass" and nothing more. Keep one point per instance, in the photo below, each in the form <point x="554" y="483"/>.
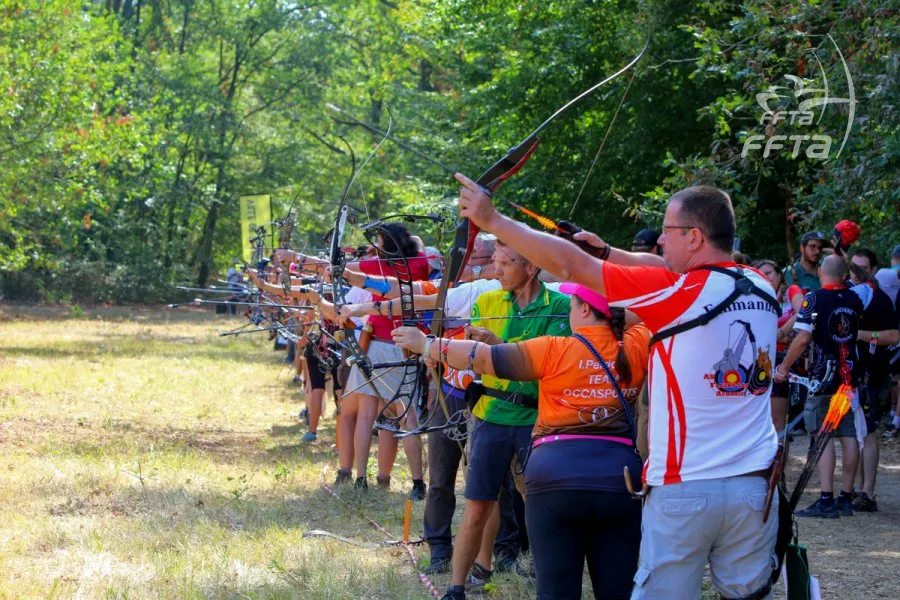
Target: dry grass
<point x="144" y="456"/>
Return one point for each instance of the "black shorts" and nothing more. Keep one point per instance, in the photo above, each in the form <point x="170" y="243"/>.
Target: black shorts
<point x="492" y="448"/>
<point x="316" y="375"/>
<point x="875" y="401"/>
<point x="781" y="390"/>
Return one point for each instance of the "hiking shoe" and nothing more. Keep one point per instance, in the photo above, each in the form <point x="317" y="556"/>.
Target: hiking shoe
<point x="343" y="476"/>
<point x="455" y="592"/>
<point x="865" y="503"/>
<point x="822" y="509"/>
<point x="437" y="566"/>
<point x="478" y="576"/>
<point x="418" y="490"/>
<point x="360" y="484"/>
<point x="383" y="481"/>
<point x="309" y="436"/>
<point x="505" y="563"/>
<point x="844" y="506"/>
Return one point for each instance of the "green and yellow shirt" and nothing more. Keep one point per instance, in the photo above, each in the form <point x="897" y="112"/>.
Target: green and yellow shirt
<point x="548" y="314"/>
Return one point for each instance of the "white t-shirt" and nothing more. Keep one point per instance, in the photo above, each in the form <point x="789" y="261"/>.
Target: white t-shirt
<point x="710" y="413"/>
<point x="357" y="295"/>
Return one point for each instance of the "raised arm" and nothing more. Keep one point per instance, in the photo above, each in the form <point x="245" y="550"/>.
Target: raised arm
<point x="619" y="256"/>
<point x="556" y="255"/>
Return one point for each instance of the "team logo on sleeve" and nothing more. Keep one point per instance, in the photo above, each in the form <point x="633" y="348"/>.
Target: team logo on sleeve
<point x="808" y="304"/>
<point x="744" y="368"/>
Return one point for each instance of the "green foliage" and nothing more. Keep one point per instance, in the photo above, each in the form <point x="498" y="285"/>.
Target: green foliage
<point x="128" y="130"/>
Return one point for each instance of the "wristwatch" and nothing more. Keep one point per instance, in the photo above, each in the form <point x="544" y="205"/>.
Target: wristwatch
<point x="476" y="272"/>
<point x="429" y="339"/>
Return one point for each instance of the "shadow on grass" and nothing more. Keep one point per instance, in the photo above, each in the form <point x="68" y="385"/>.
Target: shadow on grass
<point x="137" y="313"/>
<point x="83" y="351"/>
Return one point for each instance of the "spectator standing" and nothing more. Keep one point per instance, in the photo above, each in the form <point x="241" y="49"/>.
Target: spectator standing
<point x="646" y="240"/>
<point x="828" y="324"/>
<point x="790" y="299"/>
<point x="804" y="272"/>
<point x="878" y="330"/>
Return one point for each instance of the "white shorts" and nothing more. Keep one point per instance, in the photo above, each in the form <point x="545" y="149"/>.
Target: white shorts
<point x="387" y="381"/>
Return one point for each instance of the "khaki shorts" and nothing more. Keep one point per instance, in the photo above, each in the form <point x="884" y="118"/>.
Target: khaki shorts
<point x="719" y="521"/>
<point x="814" y="412"/>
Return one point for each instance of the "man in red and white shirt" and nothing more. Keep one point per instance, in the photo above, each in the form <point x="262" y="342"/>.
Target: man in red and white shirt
<point x="711" y="434"/>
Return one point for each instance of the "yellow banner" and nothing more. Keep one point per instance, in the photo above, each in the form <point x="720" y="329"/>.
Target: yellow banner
<point x="255" y="211"/>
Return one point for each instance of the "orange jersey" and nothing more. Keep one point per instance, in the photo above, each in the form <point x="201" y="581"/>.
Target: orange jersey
<point x="575" y="393"/>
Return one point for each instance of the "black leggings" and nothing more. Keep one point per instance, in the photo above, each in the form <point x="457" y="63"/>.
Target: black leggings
<point x="316" y="376"/>
<point x="565" y="527"/>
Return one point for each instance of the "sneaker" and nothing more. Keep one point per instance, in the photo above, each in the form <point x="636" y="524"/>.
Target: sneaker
<point x="298" y="379"/>
<point x="343" y="476"/>
<point x="304" y="416"/>
<point x="383" y="481"/>
<point x="437" y="566"/>
<point x="478" y="576"/>
<point x="889" y="434"/>
<point x="507" y="563"/>
<point x="865" y="503"/>
<point x="844" y="506"/>
<point x="455" y="592"/>
<point x="418" y="490"/>
<point x="309" y="436"/>
<point x="360" y="484"/>
<point x="821" y="509"/>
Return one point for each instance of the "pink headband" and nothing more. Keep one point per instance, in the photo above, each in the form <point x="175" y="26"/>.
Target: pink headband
<point x="596" y="300"/>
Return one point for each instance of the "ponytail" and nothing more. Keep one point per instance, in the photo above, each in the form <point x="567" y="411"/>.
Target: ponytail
<point x="616" y="319"/>
<point x="617" y="324"/>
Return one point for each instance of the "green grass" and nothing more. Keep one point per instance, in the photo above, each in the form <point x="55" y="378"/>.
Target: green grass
<point x="144" y="456"/>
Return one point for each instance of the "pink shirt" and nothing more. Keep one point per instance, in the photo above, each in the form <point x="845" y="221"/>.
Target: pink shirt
<point x="418" y="271"/>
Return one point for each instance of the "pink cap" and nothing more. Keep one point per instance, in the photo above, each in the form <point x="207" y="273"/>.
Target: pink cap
<point x="596" y="300"/>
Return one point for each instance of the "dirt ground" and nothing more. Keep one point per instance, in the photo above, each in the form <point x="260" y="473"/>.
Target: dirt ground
<point x="858" y="557"/>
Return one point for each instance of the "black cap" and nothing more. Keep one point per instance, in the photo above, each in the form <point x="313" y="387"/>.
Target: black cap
<point x="646" y="238"/>
<point x="815" y="235"/>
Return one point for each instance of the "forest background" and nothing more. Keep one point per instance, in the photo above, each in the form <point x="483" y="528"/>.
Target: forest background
<point x="130" y="128"/>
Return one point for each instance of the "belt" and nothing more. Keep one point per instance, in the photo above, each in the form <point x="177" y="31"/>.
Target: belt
<point x="764" y="473"/>
<point x="558" y="437"/>
<point x="512" y="397"/>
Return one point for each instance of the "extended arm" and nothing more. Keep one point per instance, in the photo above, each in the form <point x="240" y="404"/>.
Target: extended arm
<point x="556" y="255"/>
<point x="621" y="257"/>
<point x="459" y="354"/>
<point x="381" y="285"/>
